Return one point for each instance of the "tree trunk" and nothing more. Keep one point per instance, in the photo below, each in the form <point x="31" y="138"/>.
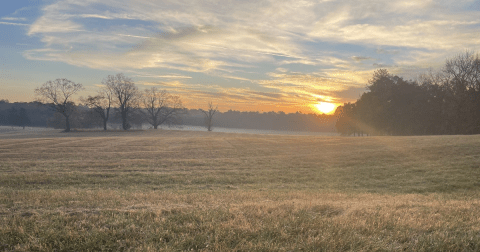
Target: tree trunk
<point x="124" y="120"/>
<point x="67" y="124"/>
<point x="105" y="120"/>
<point x="155" y="126"/>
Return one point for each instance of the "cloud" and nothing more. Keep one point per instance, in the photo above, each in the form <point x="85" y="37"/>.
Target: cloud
<point x="236" y="78"/>
<point x="10" y="23"/>
<point x="168" y="76"/>
<point x="307" y="88"/>
<point x="319" y="49"/>
<point x="13" y="19"/>
<point x="440" y="31"/>
<point x="361" y="58"/>
<point x="202" y="37"/>
<point x="46" y="24"/>
<point x="385" y="51"/>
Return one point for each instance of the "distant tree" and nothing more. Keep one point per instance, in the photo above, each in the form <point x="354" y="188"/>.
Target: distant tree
<point x="346" y="119"/>
<point x="3" y="101"/>
<point x="154" y="101"/>
<point x="161" y="107"/>
<point x="125" y="94"/>
<point x="101" y="103"/>
<point x="462" y="84"/>
<point x="58" y="94"/>
<point x="209" y="115"/>
<point x="23" y="119"/>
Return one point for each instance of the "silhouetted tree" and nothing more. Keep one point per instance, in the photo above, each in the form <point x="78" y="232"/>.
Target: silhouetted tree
<point x="209" y="115"/>
<point x="101" y="103"/>
<point x="347" y="123"/>
<point x="161" y="107"/>
<point x="462" y="84"/>
<point x="125" y="94"/>
<point x="446" y="102"/>
<point x="58" y="94"/>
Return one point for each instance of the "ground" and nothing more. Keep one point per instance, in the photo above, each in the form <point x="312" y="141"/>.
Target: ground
<point x="178" y="190"/>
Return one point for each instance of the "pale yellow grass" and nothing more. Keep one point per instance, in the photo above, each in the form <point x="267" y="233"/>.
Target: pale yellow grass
<point x="174" y="190"/>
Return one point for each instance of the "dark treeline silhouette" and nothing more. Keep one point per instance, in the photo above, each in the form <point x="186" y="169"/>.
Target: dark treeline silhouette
<point x="36" y="114"/>
<point x="24" y="114"/>
<point x="446" y="102"/>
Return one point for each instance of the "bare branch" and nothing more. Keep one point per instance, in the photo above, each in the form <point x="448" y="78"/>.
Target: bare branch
<point x="209" y="115"/>
<point x="125" y="94"/>
<point x="58" y="93"/>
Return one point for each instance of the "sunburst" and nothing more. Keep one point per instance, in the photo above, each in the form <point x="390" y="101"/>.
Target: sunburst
<point x="325" y="107"/>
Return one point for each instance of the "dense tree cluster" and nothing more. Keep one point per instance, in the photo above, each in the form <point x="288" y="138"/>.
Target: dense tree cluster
<point x="447" y="102"/>
<point x="24" y="114"/>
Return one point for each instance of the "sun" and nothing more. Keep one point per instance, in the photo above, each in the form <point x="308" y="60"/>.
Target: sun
<point x="325" y="107"/>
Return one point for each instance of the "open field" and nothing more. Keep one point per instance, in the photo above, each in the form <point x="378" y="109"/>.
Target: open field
<point x="179" y="190"/>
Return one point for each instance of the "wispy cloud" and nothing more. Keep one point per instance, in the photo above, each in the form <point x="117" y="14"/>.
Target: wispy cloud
<point x="46" y="24"/>
<point x="14" y="18"/>
<point x="361" y="58"/>
<point x="169" y="76"/>
<point x="236" y="78"/>
<point x="10" y="23"/>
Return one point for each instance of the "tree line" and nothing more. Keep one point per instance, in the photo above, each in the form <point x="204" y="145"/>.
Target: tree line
<point x="119" y="97"/>
<point x="42" y="115"/>
<point x="443" y="102"/>
<point x="24" y="114"/>
<point x="118" y="93"/>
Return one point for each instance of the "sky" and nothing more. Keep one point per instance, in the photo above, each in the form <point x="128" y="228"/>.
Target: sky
<point x="273" y="55"/>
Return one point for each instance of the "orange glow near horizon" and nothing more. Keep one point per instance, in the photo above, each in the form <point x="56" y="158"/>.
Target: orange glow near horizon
<point x="325" y="107"/>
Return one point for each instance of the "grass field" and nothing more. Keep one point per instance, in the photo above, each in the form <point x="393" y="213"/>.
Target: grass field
<point x="179" y="190"/>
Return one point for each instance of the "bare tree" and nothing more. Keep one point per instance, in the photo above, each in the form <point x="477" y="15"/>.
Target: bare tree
<point x="161" y="107"/>
<point x="125" y="94"/>
<point x="209" y="115"/>
<point x="101" y="103"/>
<point x="59" y="93"/>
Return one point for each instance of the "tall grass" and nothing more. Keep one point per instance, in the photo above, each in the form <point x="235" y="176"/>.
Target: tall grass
<point x="174" y="190"/>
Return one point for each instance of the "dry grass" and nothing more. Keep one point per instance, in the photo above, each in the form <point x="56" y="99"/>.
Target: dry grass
<point x="177" y="190"/>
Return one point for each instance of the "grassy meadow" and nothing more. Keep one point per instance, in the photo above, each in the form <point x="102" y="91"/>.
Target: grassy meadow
<point x="162" y="190"/>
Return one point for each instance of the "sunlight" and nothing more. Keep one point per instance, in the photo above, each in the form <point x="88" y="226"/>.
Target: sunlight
<point x="325" y="107"/>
